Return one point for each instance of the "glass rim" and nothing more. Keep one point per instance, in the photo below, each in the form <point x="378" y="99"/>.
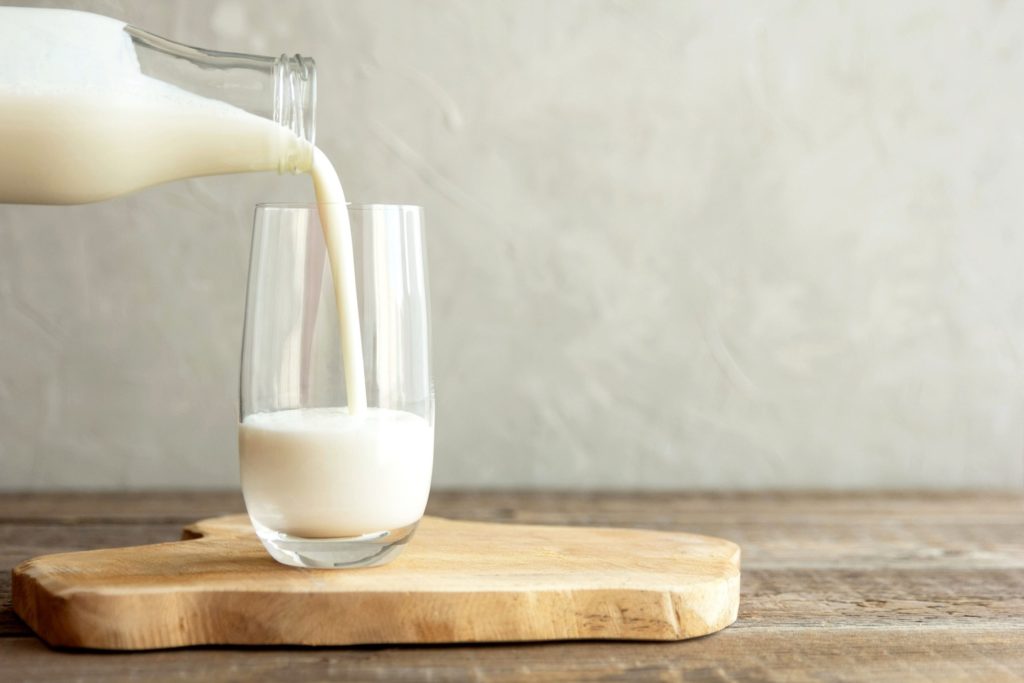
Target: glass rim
<point x="352" y="206"/>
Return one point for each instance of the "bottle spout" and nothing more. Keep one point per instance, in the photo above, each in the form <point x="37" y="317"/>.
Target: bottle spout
<point x="295" y="107"/>
<point x="282" y="89"/>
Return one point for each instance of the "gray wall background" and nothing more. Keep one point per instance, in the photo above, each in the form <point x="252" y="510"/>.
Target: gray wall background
<point x="673" y="244"/>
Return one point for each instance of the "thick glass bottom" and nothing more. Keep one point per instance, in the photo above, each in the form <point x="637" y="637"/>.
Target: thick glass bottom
<point x="368" y="550"/>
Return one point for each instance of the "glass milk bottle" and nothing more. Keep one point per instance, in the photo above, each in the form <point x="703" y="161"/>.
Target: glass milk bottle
<point x="91" y="108"/>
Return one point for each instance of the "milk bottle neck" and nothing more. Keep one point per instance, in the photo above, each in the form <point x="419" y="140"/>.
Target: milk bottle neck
<point x="282" y="88"/>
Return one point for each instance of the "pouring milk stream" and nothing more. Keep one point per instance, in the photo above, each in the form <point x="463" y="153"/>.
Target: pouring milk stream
<point x="91" y="108"/>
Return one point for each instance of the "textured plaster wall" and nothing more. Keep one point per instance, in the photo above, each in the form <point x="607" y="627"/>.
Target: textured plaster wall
<point x="674" y="244"/>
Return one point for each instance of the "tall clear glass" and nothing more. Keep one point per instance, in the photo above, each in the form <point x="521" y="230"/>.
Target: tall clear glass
<point x="326" y="487"/>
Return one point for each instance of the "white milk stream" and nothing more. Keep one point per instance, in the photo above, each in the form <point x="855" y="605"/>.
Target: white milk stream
<point x="338" y="239"/>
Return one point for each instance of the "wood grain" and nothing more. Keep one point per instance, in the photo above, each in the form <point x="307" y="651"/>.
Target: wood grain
<point x="732" y="656"/>
<point x="458" y="582"/>
<point x="899" y="586"/>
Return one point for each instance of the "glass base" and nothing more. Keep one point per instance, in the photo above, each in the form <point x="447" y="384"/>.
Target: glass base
<point x="368" y="550"/>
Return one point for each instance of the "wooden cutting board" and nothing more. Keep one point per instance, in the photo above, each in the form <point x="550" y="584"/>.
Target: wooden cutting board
<point x="455" y="582"/>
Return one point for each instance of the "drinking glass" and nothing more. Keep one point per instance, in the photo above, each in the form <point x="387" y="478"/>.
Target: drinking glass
<point x="325" y="487"/>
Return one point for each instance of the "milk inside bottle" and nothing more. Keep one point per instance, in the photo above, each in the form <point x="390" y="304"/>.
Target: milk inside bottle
<point x="91" y="108"/>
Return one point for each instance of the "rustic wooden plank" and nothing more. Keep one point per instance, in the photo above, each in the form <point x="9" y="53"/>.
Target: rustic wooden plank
<point x="788" y="546"/>
<point x="882" y="586"/>
<point x="73" y="507"/>
<point x="50" y="538"/>
<point x="534" y="506"/>
<point x="806" y="545"/>
<point x="749" y="505"/>
<point x="10" y="624"/>
<point x="882" y="599"/>
<point x="847" y="530"/>
<point x="896" y="656"/>
<point x="854" y="599"/>
<point x="908" y="544"/>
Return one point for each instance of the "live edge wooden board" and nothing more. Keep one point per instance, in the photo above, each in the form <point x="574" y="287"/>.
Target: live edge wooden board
<point x="455" y="582"/>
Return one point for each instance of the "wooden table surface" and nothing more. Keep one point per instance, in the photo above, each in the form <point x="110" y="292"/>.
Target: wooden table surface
<point x="836" y="587"/>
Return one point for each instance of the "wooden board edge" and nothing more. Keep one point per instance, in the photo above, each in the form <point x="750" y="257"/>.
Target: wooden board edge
<point x="658" y="616"/>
